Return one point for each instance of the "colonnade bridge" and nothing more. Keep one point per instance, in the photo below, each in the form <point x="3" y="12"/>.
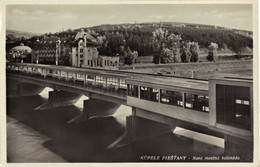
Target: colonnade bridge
<point x="221" y="107"/>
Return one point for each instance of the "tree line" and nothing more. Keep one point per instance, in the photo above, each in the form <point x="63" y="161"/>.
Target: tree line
<point x="179" y="43"/>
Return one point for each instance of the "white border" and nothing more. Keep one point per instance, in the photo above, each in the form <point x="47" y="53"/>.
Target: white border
<point x="64" y="2"/>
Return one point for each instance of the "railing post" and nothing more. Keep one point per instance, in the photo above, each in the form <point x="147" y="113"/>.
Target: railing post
<point x="106" y="82"/>
<point x="139" y="93"/>
<point x="183" y="100"/>
<point x="85" y="77"/>
<point x="118" y="82"/>
<point x="76" y="77"/>
<point x="43" y="72"/>
<point x="59" y="74"/>
<point x="159" y="95"/>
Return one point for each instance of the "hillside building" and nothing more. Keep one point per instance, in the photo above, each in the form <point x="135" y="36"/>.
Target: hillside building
<point x="50" y="50"/>
<point x="85" y="54"/>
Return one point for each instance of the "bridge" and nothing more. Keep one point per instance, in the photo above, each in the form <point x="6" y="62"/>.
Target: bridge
<point x="221" y="107"/>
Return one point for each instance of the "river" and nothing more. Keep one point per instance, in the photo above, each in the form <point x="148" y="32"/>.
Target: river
<point x="46" y="136"/>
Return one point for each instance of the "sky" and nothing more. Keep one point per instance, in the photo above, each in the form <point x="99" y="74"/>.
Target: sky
<point x="53" y="18"/>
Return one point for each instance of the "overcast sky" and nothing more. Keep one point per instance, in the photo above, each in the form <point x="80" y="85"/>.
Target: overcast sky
<point x="52" y="18"/>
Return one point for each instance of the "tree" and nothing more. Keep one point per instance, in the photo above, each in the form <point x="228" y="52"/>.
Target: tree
<point x="185" y="52"/>
<point x="135" y="57"/>
<point x="128" y="57"/>
<point x="167" y="56"/>
<point x="114" y="42"/>
<point x="212" y="56"/>
<point x="165" y="42"/>
<point x="194" y="49"/>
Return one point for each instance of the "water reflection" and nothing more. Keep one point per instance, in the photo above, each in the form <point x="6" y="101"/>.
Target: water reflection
<point x="87" y="141"/>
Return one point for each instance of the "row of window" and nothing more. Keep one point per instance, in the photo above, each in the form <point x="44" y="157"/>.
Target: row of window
<point x="47" y="52"/>
<point x="112" y="81"/>
<point x="91" y="62"/>
<point x="106" y="62"/>
<point x="46" y="55"/>
<point x="243" y="102"/>
<point x="81" y="50"/>
<point x="171" y="97"/>
<point x="89" y="78"/>
<point x="192" y="101"/>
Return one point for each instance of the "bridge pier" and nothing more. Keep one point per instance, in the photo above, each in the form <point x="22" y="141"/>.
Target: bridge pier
<point x="138" y="128"/>
<point x="24" y="89"/>
<point x="11" y="84"/>
<point x="58" y="98"/>
<point x="95" y="108"/>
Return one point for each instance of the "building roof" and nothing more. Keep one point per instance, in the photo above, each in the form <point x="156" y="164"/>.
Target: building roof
<point x="162" y="81"/>
<point x="81" y="34"/>
<point x="21" y="48"/>
<point x="52" y="40"/>
<point x="91" y="41"/>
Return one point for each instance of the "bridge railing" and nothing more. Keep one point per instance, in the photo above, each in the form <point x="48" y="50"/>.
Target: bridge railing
<point x="73" y="82"/>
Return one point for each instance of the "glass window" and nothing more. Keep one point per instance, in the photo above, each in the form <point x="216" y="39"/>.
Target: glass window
<point x="64" y="74"/>
<point x="122" y="83"/>
<point x="148" y="93"/>
<point x="80" y="76"/>
<point x="177" y="99"/>
<point x="112" y="81"/>
<point x="71" y="75"/>
<point x="165" y="96"/>
<point x="132" y="90"/>
<point x="238" y="101"/>
<point x="246" y="102"/>
<point x="243" y="102"/>
<point x="143" y="92"/>
<point x="171" y="97"/>
<point x="90" y="78"/>
<point x="100" y="79"/>
<point x="197" y="102"/>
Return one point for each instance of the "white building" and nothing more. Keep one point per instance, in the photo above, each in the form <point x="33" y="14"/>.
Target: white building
<point x="108" y="61"/>
<point x="85" y="53"/>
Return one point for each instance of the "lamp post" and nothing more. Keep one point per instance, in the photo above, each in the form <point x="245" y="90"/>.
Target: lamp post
<point x="19" y="54"/>
<point x="22" y="58"/>
<point x="57" y="51"/>
<point x="37" y="53"/>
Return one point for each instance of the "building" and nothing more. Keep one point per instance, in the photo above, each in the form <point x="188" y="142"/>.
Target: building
<point x="85" y="53"/>
<point x="20" y="53"/>
<point x="50" y="50"/>
<point x="108" y="61"/>
<point x="222" y="105"/>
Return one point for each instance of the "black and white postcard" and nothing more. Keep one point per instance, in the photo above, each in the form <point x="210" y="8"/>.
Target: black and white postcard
<point x="129" y="83"/>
